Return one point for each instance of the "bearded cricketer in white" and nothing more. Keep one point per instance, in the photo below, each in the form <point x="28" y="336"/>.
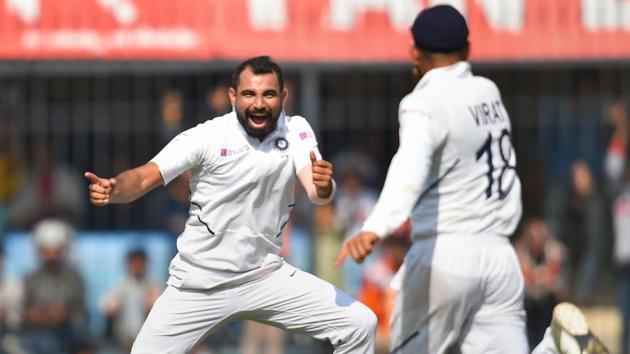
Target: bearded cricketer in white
<point x="244" y="167"/>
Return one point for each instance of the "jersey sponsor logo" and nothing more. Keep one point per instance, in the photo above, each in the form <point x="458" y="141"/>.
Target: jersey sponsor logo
<point x="280" y="143"/>
<point x="306" y="135"/>
<point x="224" y="152"/>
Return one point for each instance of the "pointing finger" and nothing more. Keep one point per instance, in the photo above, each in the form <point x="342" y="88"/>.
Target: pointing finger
<point x="342" y="256"/>
<point x="92" y="177"/>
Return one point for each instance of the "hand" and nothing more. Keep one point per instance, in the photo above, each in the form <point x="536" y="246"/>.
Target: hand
<point x="100" y="189"/>
<point x="358" y="246"/>
<point x="322" y="176"/>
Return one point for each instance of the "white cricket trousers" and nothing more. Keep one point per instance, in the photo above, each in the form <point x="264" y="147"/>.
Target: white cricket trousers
<point x="459" y="294"/>
<point x="288" y="298"/>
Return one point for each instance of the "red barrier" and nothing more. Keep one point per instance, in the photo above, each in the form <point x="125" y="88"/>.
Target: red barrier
<point x="304" y="30"/>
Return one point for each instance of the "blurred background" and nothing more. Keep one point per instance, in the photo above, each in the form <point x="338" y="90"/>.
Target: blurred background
<point x="102" y="85"/>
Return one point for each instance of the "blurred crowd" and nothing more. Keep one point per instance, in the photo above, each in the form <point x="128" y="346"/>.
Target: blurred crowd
<point x="576" y="247"/>
<point x="565" y="251"/>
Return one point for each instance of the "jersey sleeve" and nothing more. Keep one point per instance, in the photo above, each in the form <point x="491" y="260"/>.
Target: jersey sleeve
<point x="184" y="152"/>
<point x="421" y="133"/>
<point x="305" y="142"/>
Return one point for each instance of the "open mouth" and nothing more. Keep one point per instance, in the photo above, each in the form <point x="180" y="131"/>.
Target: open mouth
<point x="258" y="120"/>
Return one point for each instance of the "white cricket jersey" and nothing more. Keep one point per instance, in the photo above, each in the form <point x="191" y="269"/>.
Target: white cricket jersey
<point x="241" y="193"/>
<point x="455" y="168"/>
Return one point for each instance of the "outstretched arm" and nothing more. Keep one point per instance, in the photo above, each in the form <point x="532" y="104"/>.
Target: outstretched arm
<point x="124" y="188"/>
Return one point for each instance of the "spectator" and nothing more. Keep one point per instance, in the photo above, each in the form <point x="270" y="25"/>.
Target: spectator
<point x="216" y="103"/>
<point x="54" y="295"/>
<point x="50" y="189"/>
<point x="172" y="107"/>
<point x="327" y="243"/>
<point x="10" y="311"/>
<point x="542" y="259"/>
<point x="355" y="162"/>
<point x="354" y="203"/>
<point x="577" y="216"/>
<point x="618" y="174"/>
<point x="615" y="162"/>
<point x="128" y="304"/>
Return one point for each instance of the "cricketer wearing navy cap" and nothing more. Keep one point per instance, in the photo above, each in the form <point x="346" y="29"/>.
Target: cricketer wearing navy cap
<point x="460" y="288"/>
<point x="438" y="32"/>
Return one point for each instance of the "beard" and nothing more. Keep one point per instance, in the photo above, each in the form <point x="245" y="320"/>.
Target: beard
<point x="266" y="114"/>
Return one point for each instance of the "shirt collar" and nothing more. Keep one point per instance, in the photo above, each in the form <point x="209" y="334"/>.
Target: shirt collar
<point x="459" y="69"/>
<point x="280" y="127"/>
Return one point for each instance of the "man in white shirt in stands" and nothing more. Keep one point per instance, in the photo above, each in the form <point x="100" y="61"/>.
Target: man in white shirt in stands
<point x="244" y="167"/>
<point x="460" y="288"/>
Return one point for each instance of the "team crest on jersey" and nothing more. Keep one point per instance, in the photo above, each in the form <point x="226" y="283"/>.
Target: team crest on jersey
<point x="280" y="143"/>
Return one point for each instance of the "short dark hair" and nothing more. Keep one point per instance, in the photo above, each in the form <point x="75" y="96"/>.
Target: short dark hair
<point x="260" y="65"/>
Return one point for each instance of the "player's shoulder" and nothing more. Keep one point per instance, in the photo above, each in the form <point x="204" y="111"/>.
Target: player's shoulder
<point x="213" y="126"/>
<point x="483" y="83"/>
<point x="296" y="122"/>
<point x="219" y="121"/>
<point x="419" y="101"/>
<point x="205" y="135"/>
<point x="414" y="98"/>
<point x="297" y="125"/>
<point x="299" y="128"/>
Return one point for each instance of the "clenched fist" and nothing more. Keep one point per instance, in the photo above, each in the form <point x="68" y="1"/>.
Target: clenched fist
<point x="322" y="176"/>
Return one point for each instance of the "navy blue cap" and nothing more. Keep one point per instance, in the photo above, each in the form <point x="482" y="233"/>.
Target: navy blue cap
<point x="440" y="28"/>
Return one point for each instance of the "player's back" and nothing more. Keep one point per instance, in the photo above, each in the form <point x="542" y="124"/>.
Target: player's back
<point x="472" y="187"/>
